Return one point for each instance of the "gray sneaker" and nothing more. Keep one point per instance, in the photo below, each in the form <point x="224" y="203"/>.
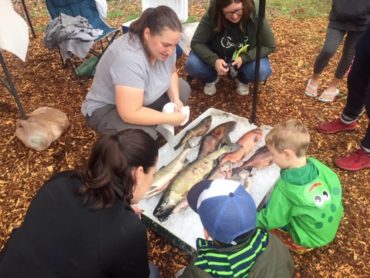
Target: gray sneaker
<point x="241" y="88"/>
<point x="210" y="88"/>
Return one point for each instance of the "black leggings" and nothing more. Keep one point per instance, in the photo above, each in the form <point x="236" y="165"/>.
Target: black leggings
<point x="332" y="41"/>
<point x="359" y="86"/>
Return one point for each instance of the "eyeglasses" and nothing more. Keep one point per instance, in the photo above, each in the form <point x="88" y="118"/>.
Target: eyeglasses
<point x="236" y="12"/>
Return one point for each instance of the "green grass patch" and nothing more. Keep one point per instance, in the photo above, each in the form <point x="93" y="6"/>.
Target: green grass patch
<point x="132" y="16"/>
<point x="192" y="18"/>
<point x="297" y="8"/>
<point x="116" y="13"/>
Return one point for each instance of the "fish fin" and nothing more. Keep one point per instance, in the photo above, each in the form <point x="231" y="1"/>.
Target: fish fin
<point x="187" y="145"/>
<point x="182" y="205"/>
<point x="227" y="140"/>
<point x="155" y="190"/>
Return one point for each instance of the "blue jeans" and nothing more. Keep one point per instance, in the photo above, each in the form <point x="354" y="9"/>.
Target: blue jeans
<point x="202" y="71"/>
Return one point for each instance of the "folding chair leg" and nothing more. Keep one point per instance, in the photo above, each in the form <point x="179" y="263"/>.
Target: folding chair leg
<point x="64" y="64"/>
<point x="101" y="45"/>
<point x="11" y="88"/>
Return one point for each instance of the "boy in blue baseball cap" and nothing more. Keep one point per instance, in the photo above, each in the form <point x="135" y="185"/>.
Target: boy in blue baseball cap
<point x="237" y="247"/>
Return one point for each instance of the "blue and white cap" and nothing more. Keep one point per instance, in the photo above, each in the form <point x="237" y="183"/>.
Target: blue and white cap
<point x="224" y="207"/>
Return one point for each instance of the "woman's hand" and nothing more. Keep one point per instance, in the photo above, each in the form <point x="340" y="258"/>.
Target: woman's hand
<point x="221" y="67"/>
<point x="238" y="62"/>
<point x="137" y="210"/>
<point x="178" y="118"/>
<point x="178" y="104"/>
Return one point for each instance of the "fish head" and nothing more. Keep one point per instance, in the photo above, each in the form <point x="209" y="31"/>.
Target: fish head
<point x="164" y="207"/>
<point x="262" y="159"/>
<point x="251" y="137"/>
<point x="207" y="121"/>
<point x="226" y="169"/>
<point x="223" y="129"/>
<point x="257" y="135"/>
<point x="229" y="126"/>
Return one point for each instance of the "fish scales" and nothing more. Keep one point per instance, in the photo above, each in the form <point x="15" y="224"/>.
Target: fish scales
<point x="248" y="141"/>
<point x="164" y="175"/>
<point x="213" y="139"/>
<point x="200" y="129"/>
<point x="185" y="180"/>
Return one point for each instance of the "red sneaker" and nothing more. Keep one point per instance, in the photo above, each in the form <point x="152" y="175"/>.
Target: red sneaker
<point x="335" y="126"/>
<point x="356" y="161"/>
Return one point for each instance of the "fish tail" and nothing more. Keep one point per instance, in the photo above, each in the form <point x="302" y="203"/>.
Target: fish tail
<point x="177" y="146"/>
<point x="187" y="145"/>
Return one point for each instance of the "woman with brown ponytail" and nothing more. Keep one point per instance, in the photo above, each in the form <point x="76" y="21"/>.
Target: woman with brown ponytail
<point x="81" y="224"/>
<point x="137" y="76"/>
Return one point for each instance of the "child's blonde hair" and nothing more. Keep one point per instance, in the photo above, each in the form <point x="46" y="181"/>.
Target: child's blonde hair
<point x="291" y="135"/>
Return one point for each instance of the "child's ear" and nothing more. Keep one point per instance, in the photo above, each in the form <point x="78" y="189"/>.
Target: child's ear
<point x="289" y="154"/>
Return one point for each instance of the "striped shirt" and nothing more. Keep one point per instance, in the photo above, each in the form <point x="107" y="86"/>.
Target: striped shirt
<point x="235" y="263"/>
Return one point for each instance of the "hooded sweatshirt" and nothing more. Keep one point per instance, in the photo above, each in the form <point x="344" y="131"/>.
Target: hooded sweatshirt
<point x="350" y="15"/>
<point x="210" y="45"/>
<point x="308" y="202"/>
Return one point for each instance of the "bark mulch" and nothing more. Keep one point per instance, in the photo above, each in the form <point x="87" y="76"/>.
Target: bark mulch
<point x="41" y="81"/>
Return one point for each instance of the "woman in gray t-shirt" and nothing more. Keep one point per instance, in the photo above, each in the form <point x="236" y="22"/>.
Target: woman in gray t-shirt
<point x="137" y="76"/>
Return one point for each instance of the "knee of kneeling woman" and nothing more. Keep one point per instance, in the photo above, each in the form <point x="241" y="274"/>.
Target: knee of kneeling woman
<point x="185" y="91"/>
<point x="197" y="68"/>
<point x="191" y="63"/>
<point x="265" y="73"/>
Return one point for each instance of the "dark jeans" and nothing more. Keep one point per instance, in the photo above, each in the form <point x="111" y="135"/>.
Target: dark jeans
<point x="332" y="41"/>
<point x="246" y="73"/>
<point x="154" y="272"/>
<point x="359" y="85"/>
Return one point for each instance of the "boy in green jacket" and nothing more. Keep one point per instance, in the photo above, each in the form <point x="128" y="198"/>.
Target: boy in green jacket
<point x="237" y="248"/>
<point x="307" y="199"/>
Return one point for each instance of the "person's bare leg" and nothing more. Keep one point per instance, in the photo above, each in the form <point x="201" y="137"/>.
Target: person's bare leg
<point x="312" y="85"/>
<point x="329" y="94"/>
<point x="315" y="79"/>
<point x="333" y="85"/>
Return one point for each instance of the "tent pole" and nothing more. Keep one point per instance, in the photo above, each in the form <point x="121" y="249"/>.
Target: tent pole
<point x="10" y="86"/>
<point x="261" y="16"/>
